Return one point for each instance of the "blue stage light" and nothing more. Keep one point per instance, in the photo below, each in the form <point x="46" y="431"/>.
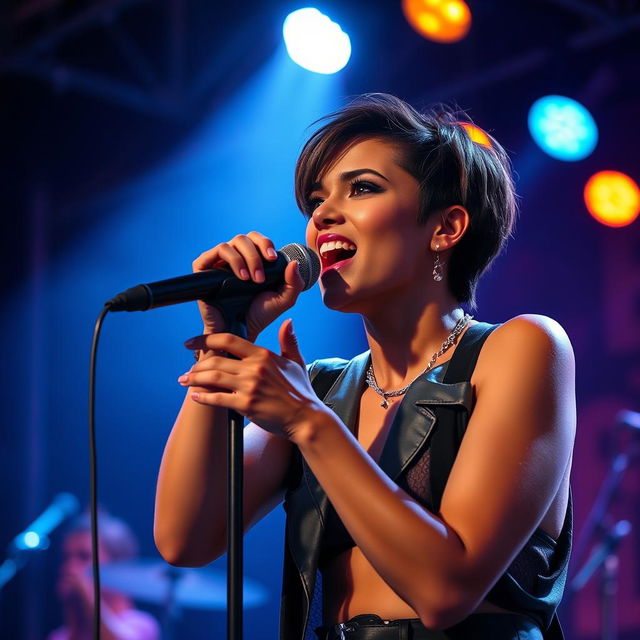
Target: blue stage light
<point x="31" y="540"/>
<point x="563" y="128"/>
<point x="315" y="42"/>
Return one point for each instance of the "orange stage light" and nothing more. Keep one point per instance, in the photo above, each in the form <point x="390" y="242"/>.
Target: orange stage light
<point x="439" y="20"/>
<point x="476" y="134"/>
<point x="612" y="198"/>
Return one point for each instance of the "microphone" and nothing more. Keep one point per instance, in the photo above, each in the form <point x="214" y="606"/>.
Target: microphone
<point x="215" y="286"/>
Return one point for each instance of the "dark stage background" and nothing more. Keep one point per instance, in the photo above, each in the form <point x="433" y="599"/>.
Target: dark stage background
<point x="135" y="134"/>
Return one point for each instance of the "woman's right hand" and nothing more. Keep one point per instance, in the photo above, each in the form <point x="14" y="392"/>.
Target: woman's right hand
<point x="244" y="255"/>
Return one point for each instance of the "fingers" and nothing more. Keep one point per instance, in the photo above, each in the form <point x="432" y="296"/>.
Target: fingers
<point x="227" y="342"/>
<point x="292" y="277"/>
<point x="209" y="378"/>
<point x="249" y="255"/>
<point x="219" y="399"/>
<point x="244" y="254"/>
<point x="289" y="347"/>
<point x="267" y="249"/>
<point x="217" y="380"/>
<point x="221" y="363"/>
<point x="293" y="285"/>
<point x="216" y="371"/>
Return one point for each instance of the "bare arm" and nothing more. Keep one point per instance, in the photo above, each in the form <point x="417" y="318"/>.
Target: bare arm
<point x="190" y="515"/>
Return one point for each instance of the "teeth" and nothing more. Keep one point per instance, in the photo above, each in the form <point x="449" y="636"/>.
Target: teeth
<point x="336" y="244"/>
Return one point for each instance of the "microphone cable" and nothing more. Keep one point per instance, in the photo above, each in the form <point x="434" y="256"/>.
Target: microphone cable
<point x="166" y="292"/>
<point x="93" y="473"/>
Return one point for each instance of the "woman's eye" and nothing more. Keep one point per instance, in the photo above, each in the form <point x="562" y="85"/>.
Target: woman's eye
<point x="356" y="188"/>
<point x="313" y="204"/>
<point x="359" y="187"/>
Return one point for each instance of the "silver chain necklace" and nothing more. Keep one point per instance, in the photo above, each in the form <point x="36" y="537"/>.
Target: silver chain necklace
<point x="451" y="338"/>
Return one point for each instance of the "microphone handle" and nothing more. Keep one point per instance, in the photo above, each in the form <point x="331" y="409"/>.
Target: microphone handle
<point x="211" y="285"/>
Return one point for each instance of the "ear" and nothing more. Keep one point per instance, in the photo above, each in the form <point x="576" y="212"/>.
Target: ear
<point x="452" y="223"/>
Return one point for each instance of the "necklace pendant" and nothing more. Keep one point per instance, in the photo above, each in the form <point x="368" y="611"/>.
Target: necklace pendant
<point x="384" y="404"/>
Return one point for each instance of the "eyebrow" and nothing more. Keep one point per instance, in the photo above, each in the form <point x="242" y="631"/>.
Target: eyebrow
<point x="349" y="175"/>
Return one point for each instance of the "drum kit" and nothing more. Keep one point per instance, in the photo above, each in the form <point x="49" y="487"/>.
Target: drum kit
<point x="155" y="582"/>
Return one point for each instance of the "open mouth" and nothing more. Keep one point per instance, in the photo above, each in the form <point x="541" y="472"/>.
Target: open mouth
<point x="336" y="252"/>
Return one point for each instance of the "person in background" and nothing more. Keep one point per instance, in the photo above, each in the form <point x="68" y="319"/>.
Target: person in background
<point x="120" y="619"/>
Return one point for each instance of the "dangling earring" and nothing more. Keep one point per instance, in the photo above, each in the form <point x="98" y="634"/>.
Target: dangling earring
<point x="437" y="266"/>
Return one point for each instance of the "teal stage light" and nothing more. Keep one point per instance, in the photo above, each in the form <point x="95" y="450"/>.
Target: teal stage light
<point x="31" y="540"/>
<point x="563" y="128"/>
<point x="315" y="42"/>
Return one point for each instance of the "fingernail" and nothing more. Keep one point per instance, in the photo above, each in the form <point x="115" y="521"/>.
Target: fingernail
<point x="195" y="396"/>
<point x="244" y="274"/>
<point x="271" y="253"/>
<point x="183" y="378"/>
<point x="258" y="275"/>
<point x="191" y="342"/>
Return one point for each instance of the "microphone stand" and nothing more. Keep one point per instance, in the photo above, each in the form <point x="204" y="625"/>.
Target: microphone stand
<point x="600" y="508"/>
<point x="605" y="554"/>
<point x="233" y="313"/>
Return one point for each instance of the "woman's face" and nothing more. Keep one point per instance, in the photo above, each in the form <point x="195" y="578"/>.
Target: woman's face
<point x="366" y="201"/>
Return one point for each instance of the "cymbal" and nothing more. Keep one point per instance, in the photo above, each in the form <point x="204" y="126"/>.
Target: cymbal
<point x="150" y="580"/>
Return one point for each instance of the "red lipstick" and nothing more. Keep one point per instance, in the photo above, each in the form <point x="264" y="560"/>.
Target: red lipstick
<point x="335" y="258"/>
<point x="331" y="237"/>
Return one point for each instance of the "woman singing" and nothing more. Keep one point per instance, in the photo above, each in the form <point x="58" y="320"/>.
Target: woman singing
<point x="426" y="481"/>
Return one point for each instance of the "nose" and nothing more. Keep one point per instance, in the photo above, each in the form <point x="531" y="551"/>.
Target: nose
<point x="326" y="215"/>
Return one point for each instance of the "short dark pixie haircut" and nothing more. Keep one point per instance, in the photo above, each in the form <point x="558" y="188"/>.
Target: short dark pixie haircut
<point x="450" y="168"/>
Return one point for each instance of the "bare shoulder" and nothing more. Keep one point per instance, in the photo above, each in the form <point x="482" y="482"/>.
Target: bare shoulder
<point x="530" y="341"/>
<point x="527" y="367"/>
<point x="535" y="330"/>
<point x="516" y="451"/>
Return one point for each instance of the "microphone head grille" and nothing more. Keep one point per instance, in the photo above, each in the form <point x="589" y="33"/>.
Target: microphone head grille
<point x="307" y="260"/>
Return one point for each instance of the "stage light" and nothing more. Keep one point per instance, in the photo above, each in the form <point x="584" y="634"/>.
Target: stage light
<point x="476" y="134"/>
<point x="439" y="20"/>
<point x="28" y="540"/>
<point x="31" y="540"/>
<point x="612" y="198"/>
<point x="563" y="128"/>
<point x="315" y="42"/>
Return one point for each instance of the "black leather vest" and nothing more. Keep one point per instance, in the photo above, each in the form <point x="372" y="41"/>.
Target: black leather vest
<point x="431" y="414"/>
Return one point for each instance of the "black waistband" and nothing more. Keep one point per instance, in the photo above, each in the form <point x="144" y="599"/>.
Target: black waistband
<point x="480" y="626"/>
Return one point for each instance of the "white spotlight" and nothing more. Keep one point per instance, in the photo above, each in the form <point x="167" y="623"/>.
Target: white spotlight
<point x="315" y="42"/>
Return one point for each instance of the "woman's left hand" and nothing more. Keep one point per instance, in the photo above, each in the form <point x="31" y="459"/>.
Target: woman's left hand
<point x="271" y="390"/>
